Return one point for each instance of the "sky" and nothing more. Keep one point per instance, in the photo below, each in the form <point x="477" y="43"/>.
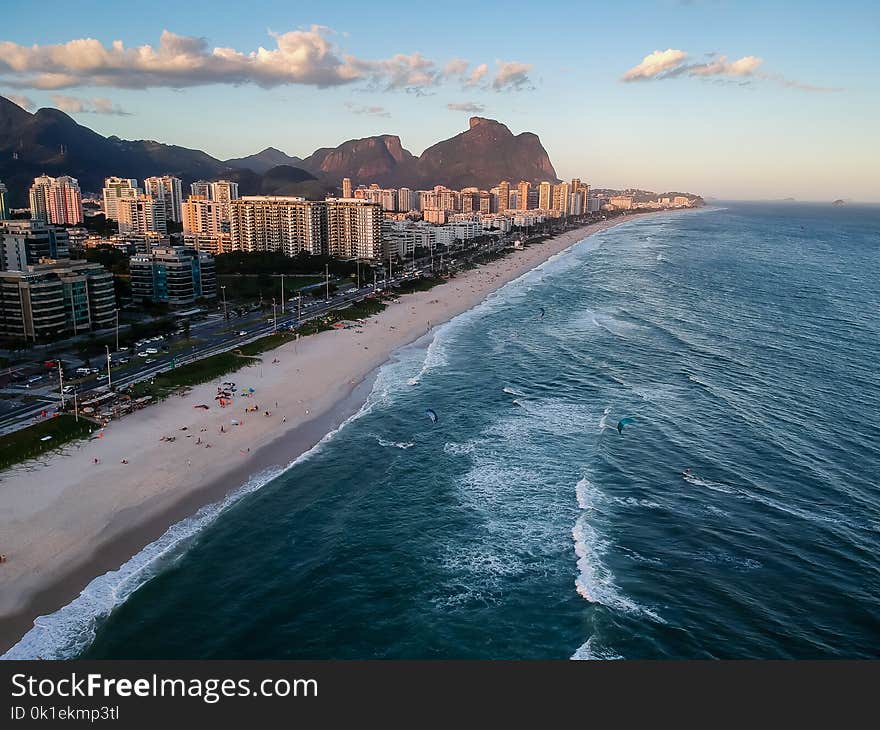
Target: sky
<point x="726" y="98"/>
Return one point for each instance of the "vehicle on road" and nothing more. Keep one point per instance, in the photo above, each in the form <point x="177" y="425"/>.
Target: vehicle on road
<point x="242" y="333"/>
<point x="152" y="351"/>
<point x="143" y="354"/>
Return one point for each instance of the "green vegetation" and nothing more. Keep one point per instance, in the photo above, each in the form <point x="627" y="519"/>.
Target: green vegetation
<point x="208" y="369"/>
<point x="251" y="287"/>
<point x="362" y="309"/>
<point x="25" y="444"/>
<point x="268" y="263"/>
<point x="423" y="283"/>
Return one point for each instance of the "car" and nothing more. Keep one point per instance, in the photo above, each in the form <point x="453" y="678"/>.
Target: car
<point x="102" y="376"/>
<point x="122" y="349"/>
<point x="242" y="333"/>
<point x="83" y="371"/>
<point x="34" y="378"/>
<point x="143" y="354"/>
<point x="152" y="351"/>
<point x="68" y="389"/>
<point x="150" y="359"/>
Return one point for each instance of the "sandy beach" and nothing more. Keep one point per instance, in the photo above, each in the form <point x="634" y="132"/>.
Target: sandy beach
<point x="66" y="519"/>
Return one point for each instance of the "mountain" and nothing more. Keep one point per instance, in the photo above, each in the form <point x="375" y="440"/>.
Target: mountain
<point x="485" y="154"/>
<point x="49" y="141"/>
<point x="380" y="159"/>
<point x="482" y="156"/>
<point x="263" y="161"/>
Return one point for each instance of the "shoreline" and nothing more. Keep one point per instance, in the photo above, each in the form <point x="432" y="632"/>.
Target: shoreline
<point x="77" y="516"/>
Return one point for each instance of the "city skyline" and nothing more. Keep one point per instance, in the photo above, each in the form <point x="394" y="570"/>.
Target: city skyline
<point x="698" y="96"/>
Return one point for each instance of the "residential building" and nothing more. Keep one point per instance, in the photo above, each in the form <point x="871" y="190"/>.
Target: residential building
<point x="56" y="299"/>
<point x="116" y="189"/>
<point x="522" y="194"/>
<point x="354" y="228"/>
<point x="4" y="210"/>
<point x="286" y="224"/>
<point x="346" y="187"/>
<point x="203" y="216"/>
<point x="545" y="196"/>
<point x="503" y="196"/>
<point x="168" y="188"/>
<point x="173" y="274"/>
<point x="25" y="243"/>
<point x="141" y="214"/>
<point x="562" y="198"/>
<point x="621" y="202"/>
<point x="56" y="200"/>
<point x="407" y="200"/>
<point x="220" y="191"/>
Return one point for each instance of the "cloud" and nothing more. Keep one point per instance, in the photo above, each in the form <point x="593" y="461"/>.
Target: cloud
<point x="76" y="105"/>
<point x="655" y="64"/>
<point x="375" y="111"/>
<point x="306" y="56"/>
<point x="25" y="102"/>
<point x="466" y="106"/>
<point x="672" y="63"/>
<point x="477" y="75"/>
<point x="511" y="75"/>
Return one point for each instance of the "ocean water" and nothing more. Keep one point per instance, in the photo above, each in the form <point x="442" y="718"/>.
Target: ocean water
<point x="737" y="515"/>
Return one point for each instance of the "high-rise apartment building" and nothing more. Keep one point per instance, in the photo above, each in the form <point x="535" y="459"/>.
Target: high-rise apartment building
<point x="173" y="274"/>
<point x="503" y="196"/>
<point x="25" y="243"/>
<point x="203" y="216"/>
<point x="562" y="198"/>
<point x="522" y="194"/>
<point x="407" y="200"/>
<point x="168" y="188"/>
<point x="354" y="228"/>
<point x="56" y="200"/>
<point x="4" y="211"/>
<point x="56" y="299"/>
<point x="284" y="224"/>
<point x="141" y="214"/>
<point x="116" y="189"/>
<point x="220" y="191"/>
<point x="545" y="195"/>
<point x="346" y="187"/>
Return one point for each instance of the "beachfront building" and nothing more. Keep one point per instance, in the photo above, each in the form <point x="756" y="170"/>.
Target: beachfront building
<point x="522" y="194"/>
<point x="545" y="195"/>
<point x="346" y="187"/>
<point x="503" y="196"/>
<point x="141" y="214"/>
<point x="562" y="198"/>
<point x="56" y="299"/>
<point x="25" y="243"/>
<point x="116" y="189"/>
<point x="407" y="200"/>
<point x="56" y="200"/>
<point x="168" y="188"/>
<point x="354" y="228"/>
<point x="280" y="223"/>
<point x="173" y="274"/>
<point x="621" y="202"/>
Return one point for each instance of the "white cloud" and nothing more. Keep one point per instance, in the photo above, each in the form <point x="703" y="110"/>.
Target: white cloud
<point x="307" y="56"/>
<point x="76" y="105"/>
<point x="672" y="63"/>
<point x="655" y="64"/>
<point x="511" y="75"/>
<point x="375" y="111"/>
<point x="466" y="106"/>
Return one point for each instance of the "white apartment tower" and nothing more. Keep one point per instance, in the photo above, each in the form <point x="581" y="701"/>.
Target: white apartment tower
<point x="354" y="228"/>
<point x="168" y="188"/>
<point x="141" y="214"/>
<point x="116" y="189"/>
<point x="284" y="224"/>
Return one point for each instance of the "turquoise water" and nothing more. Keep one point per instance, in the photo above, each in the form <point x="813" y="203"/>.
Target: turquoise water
<point x="742" y="340"/>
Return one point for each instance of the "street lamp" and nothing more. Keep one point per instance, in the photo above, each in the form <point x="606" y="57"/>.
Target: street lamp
<point x="225" y="314"/>
<point x="109" y="384"/>
<point x="274" y="317"/>
<point x="117" y="329"/>
<point x="327" y="298"/>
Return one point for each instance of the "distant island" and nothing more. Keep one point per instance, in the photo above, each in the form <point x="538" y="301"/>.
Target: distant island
<point x="839" y="202"/>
